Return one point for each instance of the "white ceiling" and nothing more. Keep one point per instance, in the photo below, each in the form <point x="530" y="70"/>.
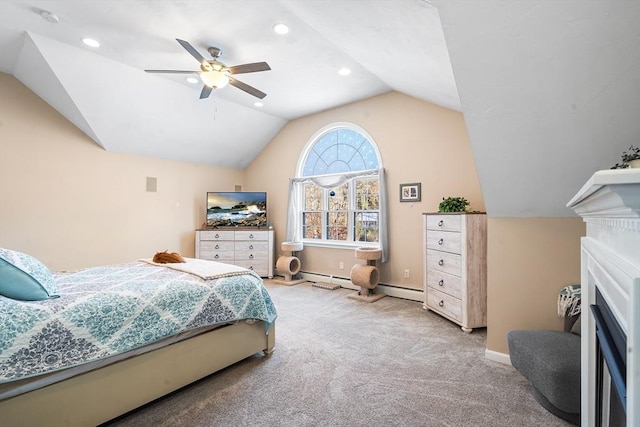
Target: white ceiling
<point x="388" y="45"/>
<point x="550" y="90"/>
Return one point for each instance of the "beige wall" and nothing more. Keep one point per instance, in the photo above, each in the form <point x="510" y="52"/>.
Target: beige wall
<point x="418" y="142"/>
<point x="529" y="261"/>
<point x="71" y="204"/>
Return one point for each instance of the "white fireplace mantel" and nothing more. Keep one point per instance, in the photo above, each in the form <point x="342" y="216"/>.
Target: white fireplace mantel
<point x="610" y="261"/>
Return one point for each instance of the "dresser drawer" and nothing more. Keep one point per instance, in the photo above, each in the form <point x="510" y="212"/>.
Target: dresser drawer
<point x="447" y="241"/>
<point x="246" y="246"/>
<point x="444" y="261"/>
<point x="444" y="222"/>
<point x="445" y="304"/>
<point x="216" y="235"/>
<point x="251" y="255"/>
<point x="260" y="267"/>
<point x="252" y="235"/>
<point x="444" y="282"/>
<point x="210" y="245"/>
<point x="214" y="255"/>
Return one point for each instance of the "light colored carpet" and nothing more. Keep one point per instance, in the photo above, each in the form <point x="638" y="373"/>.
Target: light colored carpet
<point x="341" y="362"/>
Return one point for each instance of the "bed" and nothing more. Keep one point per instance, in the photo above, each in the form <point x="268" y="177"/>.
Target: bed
<point x="109" y="339"/>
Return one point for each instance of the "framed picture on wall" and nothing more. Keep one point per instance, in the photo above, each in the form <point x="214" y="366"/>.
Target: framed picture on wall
<point x="410" y="192"/>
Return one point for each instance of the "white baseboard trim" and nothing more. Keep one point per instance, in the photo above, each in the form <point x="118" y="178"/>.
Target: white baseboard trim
<point x="497" y="357"/>
<point x="391" y="291"/>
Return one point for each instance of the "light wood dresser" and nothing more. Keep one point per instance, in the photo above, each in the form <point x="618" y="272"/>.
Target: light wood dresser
<point x="455" y="267"/>
<point x="252" y="249"/>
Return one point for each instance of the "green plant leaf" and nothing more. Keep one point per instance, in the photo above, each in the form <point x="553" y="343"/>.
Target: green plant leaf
<point x="453" y="204"/>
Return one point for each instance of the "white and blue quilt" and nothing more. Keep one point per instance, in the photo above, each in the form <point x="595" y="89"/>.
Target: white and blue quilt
<point x="109" y="310"/>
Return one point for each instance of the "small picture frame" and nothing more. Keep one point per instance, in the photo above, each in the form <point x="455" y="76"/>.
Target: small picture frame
<point x="410" y="192"/>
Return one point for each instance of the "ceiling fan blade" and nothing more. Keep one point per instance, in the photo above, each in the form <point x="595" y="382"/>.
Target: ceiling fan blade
<point x="170" y="72"/>
<point x="249" y="68"/>
<point x="192" y="51"/>
<point x="245" y="87"/>
<point x="206" y="91"/>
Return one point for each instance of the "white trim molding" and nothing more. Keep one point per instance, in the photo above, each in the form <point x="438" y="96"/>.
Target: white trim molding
<point x="497" y="357"/>
<point x="610" y="263"/>
<point x="392" y="291"/>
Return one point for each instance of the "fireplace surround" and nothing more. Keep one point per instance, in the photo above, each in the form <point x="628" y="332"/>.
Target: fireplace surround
<point x="609" y="203"/>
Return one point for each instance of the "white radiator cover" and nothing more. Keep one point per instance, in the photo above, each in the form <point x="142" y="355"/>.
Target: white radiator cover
<point x="609" y="203"/>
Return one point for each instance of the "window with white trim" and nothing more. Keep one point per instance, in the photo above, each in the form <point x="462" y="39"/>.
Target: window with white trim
<point x="347" y="213"/>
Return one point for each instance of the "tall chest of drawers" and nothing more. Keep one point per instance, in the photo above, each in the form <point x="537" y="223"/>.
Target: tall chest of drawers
<point x="455" y="267"/>
<point x="252" y="249"/>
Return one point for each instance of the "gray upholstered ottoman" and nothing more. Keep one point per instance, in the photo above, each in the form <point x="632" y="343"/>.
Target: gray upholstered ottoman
<point x="550" y="360"/>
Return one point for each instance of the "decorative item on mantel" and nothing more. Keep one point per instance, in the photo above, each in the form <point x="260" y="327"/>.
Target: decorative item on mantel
<point x="630" y="159"/>
<point x="366" y="275"/>
<point x="288" y="264"/>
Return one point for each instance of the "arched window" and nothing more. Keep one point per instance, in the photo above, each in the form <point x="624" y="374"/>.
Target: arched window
<point x="338" y="196"/>
<point x="339" y="150"/>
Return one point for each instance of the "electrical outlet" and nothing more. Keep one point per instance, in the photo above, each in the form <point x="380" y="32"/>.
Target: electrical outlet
<point x="341" y="265"/>
<point x="406" y="274"/>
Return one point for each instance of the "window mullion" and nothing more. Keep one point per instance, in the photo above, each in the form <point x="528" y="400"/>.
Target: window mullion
<point x="350" y="214"/>
<point x="325" y="214"/>
<point x="358" y="153"/>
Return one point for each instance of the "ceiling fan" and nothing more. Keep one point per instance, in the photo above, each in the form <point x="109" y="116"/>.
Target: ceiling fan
<point x="215" y="75"/>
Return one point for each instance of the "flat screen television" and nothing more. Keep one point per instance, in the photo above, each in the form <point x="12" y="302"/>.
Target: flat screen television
<point x="236" y="209"/>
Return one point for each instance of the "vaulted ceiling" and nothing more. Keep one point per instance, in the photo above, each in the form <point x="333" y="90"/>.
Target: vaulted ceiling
<point x="387" y="45"/>
<point x="550" y="90"/>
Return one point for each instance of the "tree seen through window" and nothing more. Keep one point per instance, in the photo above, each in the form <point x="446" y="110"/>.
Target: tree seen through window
<point x="349" y="212"/>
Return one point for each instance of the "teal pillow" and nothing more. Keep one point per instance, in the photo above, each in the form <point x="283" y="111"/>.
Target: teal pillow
<point x="24" y="278"/>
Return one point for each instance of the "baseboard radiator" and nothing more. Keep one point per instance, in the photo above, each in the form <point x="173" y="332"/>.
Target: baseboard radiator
<point x="392" y="291"/>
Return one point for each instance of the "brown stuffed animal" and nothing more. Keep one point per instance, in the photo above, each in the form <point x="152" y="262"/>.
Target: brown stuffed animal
<point x="167" y="257"/>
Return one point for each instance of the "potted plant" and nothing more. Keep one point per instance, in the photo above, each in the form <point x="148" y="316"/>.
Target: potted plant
<point x="630" y="158"/>
<point x="453" y="204"/>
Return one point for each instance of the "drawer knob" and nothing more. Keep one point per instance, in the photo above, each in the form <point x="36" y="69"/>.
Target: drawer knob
<point x="217" y="236"/>
<point x="251" y="236"/>
<point x="250" y="256"/>
<point x="251" y="267"/>
<point x="441" y="282"/>
<point x="440" y="223"/>
<point x="217" y="246"/>
<point x="441" y="303"/>
<point x="217" y="256"/>
<point x="250" y="246"/>
<point x="440" y="242"/>
<point x="441" y="262"/>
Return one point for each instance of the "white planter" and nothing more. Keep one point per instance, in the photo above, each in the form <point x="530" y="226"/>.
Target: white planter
<point x="634" y="163"/>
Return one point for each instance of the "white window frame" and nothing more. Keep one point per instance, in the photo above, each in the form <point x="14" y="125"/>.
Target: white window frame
<point x="350" y="242"/>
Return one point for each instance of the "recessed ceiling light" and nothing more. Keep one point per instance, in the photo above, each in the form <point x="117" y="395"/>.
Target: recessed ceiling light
<point x="281" y="29"/>
<point x="258" y="104"/>
<point x="344" y="71"/>
<point x="91" y="42"/>
<point x="192" y="80"/>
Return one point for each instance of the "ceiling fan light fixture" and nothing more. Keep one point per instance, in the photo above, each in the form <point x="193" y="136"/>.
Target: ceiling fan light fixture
<point x="214" y="79"/>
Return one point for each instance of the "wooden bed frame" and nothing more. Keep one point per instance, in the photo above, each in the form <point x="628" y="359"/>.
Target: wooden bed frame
<point x="98" y="396"/>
